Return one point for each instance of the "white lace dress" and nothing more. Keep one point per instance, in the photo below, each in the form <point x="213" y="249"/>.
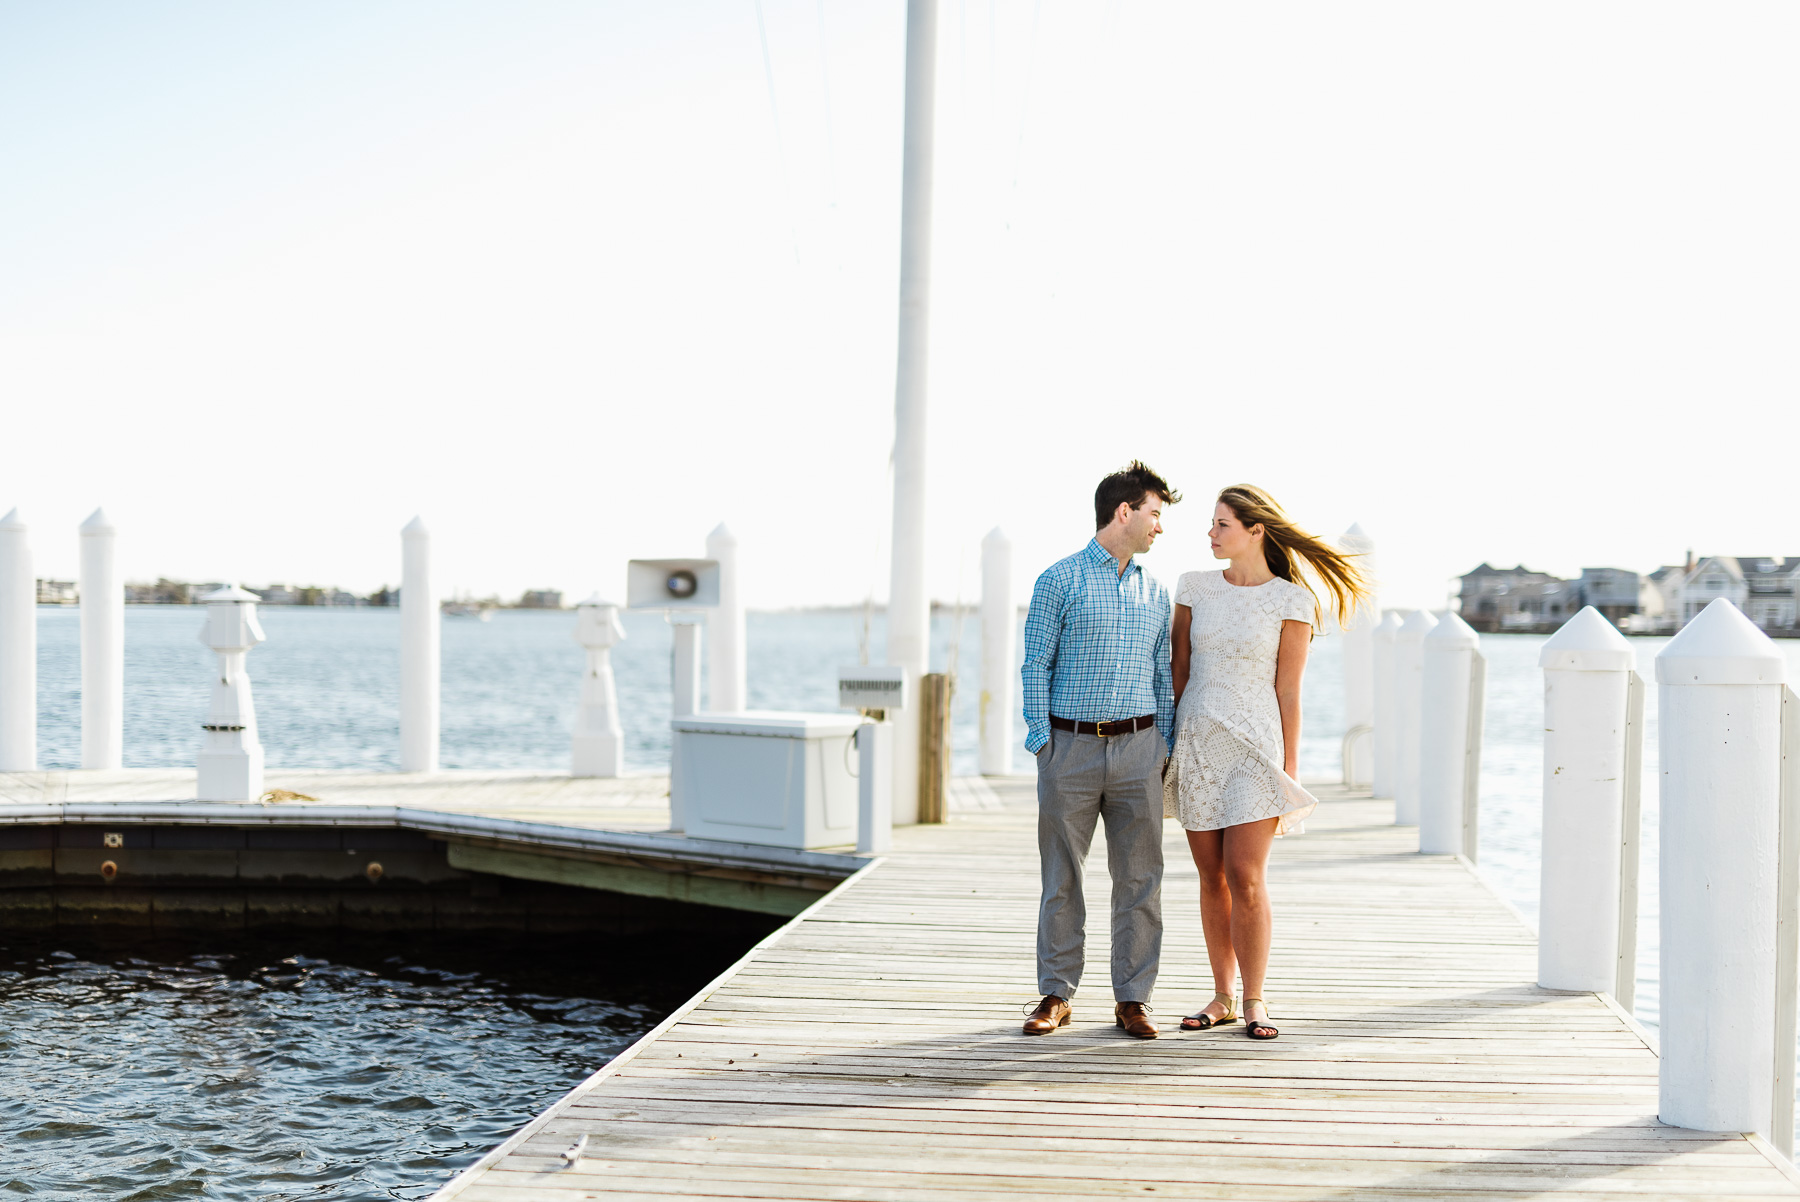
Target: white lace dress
<point x="1227" y="764"/>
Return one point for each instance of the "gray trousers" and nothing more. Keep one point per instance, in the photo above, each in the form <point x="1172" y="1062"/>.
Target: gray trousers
<point x="1119" y="779"/>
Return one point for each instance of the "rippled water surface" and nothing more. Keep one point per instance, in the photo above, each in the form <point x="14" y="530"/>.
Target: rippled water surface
<point x="313" y="1067"/>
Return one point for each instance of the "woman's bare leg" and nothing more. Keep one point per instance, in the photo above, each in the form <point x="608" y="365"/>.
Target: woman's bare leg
<point x="1245" y="863"/>
<point x="1208" y="848"/>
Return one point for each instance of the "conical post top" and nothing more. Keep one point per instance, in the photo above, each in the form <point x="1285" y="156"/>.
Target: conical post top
<point x="1389" y="626"/>
<point x="12" y="523"/>
<point x="1356" y="540"/>
<point x="1450" y="633"/>
<point x="97" y="523"/>
<point x="230" y="592"/>
<point x="1418" y="625"/>
<point x="415" y="529"/>
<point x="996" y="536"/>
<point x="1721" y="646"/>
<point x="1587" y="642"/>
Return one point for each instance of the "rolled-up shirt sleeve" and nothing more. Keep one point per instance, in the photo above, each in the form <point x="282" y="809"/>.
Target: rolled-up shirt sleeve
<point x="1043" y="631"/>
<point x="1165" y="683"/>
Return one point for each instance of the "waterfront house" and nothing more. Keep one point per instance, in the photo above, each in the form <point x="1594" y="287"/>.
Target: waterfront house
<point x="57" y="592"/>
<point x="1515" y="599"/>
<point x="1765" y="588"/>
<point x="1612" y="591"/>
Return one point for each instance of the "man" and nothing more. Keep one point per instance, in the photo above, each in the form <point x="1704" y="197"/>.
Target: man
<point x="1099" y="714"/>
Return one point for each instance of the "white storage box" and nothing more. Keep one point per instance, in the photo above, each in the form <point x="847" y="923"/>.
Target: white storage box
<point x="785" y="780"/>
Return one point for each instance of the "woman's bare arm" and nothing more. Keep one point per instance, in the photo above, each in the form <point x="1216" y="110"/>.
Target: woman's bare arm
<point x="1179" y="635"/>
<point x="1290" y="666"/>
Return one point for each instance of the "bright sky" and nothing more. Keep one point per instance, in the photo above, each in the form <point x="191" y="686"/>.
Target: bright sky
<point x="1501" y="282"/>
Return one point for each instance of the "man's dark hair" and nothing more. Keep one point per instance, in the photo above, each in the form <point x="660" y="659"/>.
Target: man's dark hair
<point x="1132" y="484"/>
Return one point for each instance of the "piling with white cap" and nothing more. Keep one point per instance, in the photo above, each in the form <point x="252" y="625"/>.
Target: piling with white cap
<point x="102" y="647"/>
<point x="1409" y="683"/>
<point x="1720" y="689"/>
<point x="1359" y="665"/>
<point x="18" y="648"/>
<point x="727" y="677"/>
<point x="231" y="753"/>
<point x="420" y="669"/>
<point x="599" y="742"/>
<point x="1448" y="669"/>
<point x="1382" y="677"/>
<point x="999" y="654"/>
<point x="1587" y="683"/>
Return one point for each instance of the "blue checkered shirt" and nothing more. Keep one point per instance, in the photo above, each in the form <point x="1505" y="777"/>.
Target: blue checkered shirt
<point x="1096" y="646"/>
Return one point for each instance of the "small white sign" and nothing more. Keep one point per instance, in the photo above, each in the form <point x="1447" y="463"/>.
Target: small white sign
<point x="872" y="687"/>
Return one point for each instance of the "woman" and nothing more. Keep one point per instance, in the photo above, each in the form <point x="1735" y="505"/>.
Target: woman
<point x="1239" y="644"/>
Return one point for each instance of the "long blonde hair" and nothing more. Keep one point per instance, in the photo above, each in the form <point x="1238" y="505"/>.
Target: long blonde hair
<point x="1284" y="543"/>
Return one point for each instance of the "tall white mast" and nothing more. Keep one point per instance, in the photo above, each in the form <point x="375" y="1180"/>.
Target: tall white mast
<point x="909" y="612"/>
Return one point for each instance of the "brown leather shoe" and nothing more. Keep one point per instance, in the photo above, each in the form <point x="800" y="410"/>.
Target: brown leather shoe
<point x="1051" y="1013"/>
<point x="1135" y="1018"/>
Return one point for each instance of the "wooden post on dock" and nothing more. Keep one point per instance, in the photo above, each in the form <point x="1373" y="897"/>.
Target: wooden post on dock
<point x="420" y="623"/>
<point x="999" y="655"/>
<point x="726" y="674"/>
<point x="935" y="692"/>
<point x="1409" y="683"/>
<point x="909" y="607"/>
<point x="18" y="648"/>
<point x="102" y="647"/>
<point x="1587" y="735"/>
<point x="1447" y="703"/>
<point x="1382" y="740"/>
<point x="1359" y="666"/>
<point x="1720" y="717"/>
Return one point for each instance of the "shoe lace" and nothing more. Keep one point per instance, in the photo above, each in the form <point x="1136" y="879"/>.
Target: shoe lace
<point x="1031" y="1008"/>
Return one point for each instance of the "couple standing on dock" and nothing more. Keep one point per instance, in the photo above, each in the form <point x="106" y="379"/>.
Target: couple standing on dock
<point x="1134" y="717"/>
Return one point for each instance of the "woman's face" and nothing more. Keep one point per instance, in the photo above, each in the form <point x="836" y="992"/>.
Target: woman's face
<point x="1229" y="538"/>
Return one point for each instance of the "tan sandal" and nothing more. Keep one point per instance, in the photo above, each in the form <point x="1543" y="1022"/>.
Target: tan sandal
<point x="1202" y="1021"/>
<point x="1257" y="1028"/>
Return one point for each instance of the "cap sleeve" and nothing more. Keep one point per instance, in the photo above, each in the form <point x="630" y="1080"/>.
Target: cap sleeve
<point x="1298" y="605"/>
<point x="1187" y="588"/>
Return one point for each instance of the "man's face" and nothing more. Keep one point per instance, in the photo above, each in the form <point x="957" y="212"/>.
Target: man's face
<point x="1143" y="524"/>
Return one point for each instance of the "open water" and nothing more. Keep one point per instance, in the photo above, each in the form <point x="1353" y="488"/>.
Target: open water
<point x="315" y="1067"/>
<point x="288" y="1070"/>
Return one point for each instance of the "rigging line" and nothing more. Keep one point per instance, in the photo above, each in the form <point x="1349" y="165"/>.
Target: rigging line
<point x="1037" y="9"/>
<point x="787" y="190"/>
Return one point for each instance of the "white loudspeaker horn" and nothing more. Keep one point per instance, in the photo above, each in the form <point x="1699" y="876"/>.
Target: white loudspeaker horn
<point x="672" y="584"/>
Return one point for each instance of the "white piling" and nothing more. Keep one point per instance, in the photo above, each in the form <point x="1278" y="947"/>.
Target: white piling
<point x="231" y="754"/>
<point x="1385" y="716"/>
<point x="598" y="745"/>
<point x="1359" y="666"/>
<point x="420" y="669"/>
<point x="999" y="654"/>
<point x="909" y="610"/>
<point x="874" y="787"/>
<point x="684" y="664"/>
<point x="1720" y="717"/>
<point x="1447" y="668"/>
<point x="1409" y="683"/>
<point x="1587" y="679"/>
<point x="726" y="672"/>
<point x="18" y="648"/>
<point x="102" y="647"/>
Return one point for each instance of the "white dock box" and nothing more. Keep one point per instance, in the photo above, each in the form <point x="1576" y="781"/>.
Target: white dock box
<point x="785" y="780"/>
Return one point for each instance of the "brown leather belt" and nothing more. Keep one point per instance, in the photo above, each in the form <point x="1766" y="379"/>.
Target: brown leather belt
<point x="1106" y="730"/>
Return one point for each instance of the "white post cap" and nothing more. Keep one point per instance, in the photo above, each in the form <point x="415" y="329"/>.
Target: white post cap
<point x="415" y="528"/>
<point x="1418" y="625"/>
<point x="722" y="533"/>
<point x="596" y="600"/>
<point x="1587" y="642"/>
<point x="1356" y="540"/>
<point x="13" y="522"/>
<point x="1721" y="646"/>
<point x="1451" y="633"/>
<point x="97" y="523"/>
<point x="996" y="535"/>
<point x="230" y="592"/>
<point x="1389" y="626"/>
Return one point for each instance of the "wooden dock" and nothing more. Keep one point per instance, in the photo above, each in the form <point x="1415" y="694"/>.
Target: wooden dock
<point x="871" y="1050"/>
